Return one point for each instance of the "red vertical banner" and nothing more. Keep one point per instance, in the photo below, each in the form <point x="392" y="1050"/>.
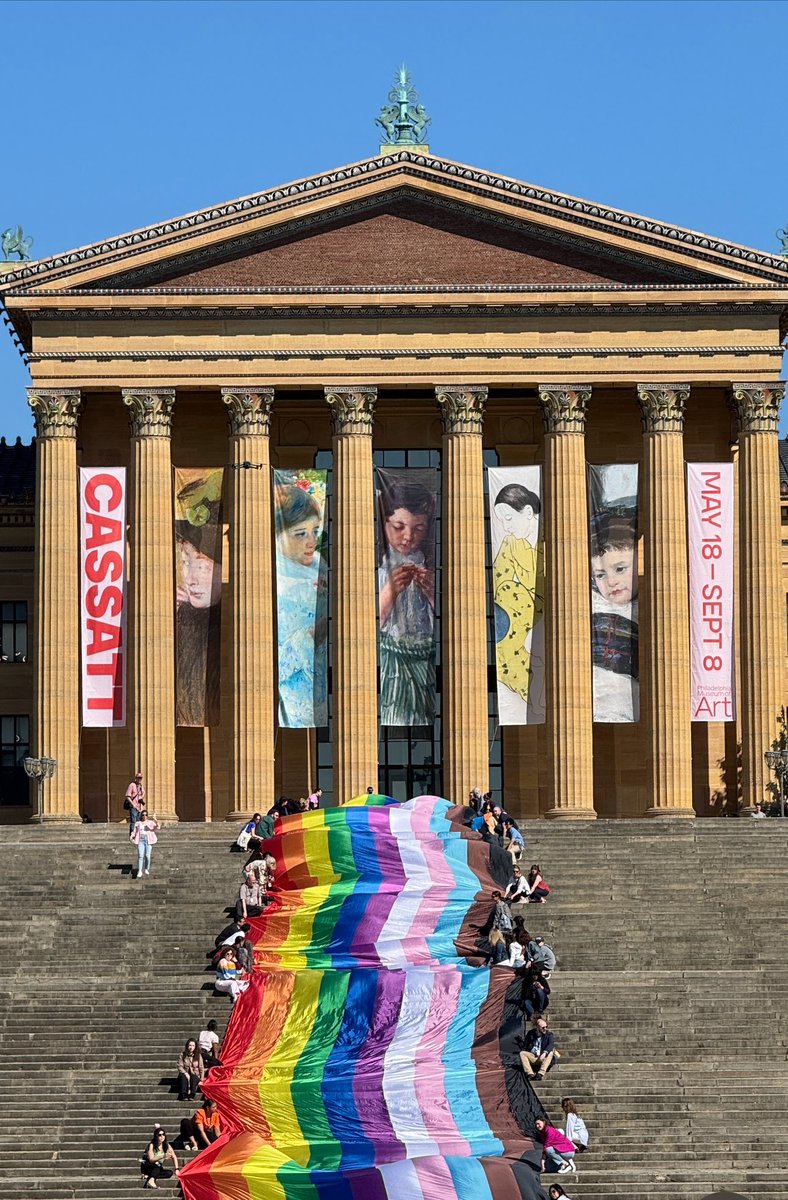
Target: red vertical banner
<point x="102" y="554"/>
<point x="710" y="531"/>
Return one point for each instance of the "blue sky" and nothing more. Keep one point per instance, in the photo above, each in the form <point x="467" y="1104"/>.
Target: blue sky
<point x="121" y="114"/>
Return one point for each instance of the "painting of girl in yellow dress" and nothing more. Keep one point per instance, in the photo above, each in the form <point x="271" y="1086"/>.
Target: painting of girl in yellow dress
<point x="518" y="593"/>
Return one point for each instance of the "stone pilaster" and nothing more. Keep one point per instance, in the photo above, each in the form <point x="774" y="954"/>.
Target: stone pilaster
<point x="152" y="607"/>
<point x="570" y="748"/>
<point x="56" y="717"/>
<point x="253" y="682"/>
<point x="355" y="633"/>
<point x="464" y="704"/>
<point x="664" y="614"/>
<point x="761" y="603"/>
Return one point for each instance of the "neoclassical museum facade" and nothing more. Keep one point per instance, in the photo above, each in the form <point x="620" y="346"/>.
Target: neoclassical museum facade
<point x="403" y="312"/>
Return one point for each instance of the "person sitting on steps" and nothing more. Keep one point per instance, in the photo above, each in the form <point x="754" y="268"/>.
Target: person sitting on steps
<point x="250" y="898"/>
<point x="157" y="1153"/>
<point x="206" y="1123"/>
<point x="513" y="839"/>
<point x="537" y="887"/>
<point x="517" y="890"/>
<point x="208" y="1041"/>
<point x="538" y="1050"/>
<point x="541" y="955"/>
<point x="191" y="1070"/>
<point x="574" y="1126"/>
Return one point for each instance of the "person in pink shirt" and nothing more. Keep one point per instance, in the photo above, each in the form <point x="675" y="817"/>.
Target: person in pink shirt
<point x="557" y="1151"/>
<point x="313" y="800"/>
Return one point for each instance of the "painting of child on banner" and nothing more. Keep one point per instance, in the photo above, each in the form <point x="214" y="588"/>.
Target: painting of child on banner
<point x="613" y="517"/>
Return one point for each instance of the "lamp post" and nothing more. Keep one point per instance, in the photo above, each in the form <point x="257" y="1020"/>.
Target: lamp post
<point x="40" y="769"/>
<point x="777" y="761"/>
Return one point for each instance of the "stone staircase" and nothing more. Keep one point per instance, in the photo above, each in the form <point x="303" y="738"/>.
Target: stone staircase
<point x="669" y="1004"/>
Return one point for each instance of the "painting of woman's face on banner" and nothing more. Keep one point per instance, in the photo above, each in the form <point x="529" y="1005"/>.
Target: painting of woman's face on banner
<point x="301" y="598"/>
<point x="613" y="516"/>
<point x="198" y="568"/>
<point x="407" y="504"/>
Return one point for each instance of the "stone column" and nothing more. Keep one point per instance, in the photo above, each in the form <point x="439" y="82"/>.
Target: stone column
<point x="354" y="695"/>
<point x="464" y="704"/>
<point x="570" y="747"/>
<point x="761" y="592"/>
<point x="56" y="716"/>
<point x="253" y="640"/>
<point x="152" y="596"/>
<point x="664" y="615"/>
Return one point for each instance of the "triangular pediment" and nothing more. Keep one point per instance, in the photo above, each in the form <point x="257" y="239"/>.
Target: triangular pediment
<point x="407" y="238"/>
<point x="404" y="220"/>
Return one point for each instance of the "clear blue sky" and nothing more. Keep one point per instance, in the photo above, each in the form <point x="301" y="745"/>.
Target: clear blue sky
<point x="120" y="114"/>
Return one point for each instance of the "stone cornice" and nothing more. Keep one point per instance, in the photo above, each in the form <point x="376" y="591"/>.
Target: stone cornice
<point x="662" y="406"/>
<point x="522" y="196"/>
<point x="757" y="406"/>
<point x="462" y="406"/>
<point x="352" y="409"/>
<point x="564" y="406"/>
<point x="638" y="351"/>
<point x="404" y="289"/>
<point x="398" y="311"/>
<point x="248" y="410"/>
<point x="55" y="411"/>
<point x="150" y="411"/>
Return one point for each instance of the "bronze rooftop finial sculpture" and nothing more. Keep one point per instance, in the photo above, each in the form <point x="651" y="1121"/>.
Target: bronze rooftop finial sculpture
<point x="15" y="242"/>
<point x="403" y="120"/>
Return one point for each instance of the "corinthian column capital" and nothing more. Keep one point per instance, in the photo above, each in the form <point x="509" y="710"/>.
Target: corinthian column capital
<point x="55" y="411"/>
<point x="757" y="405"/>
<point x="150" y="411"/>
<point x="248" y="410"/>
<point x="662" y="406"/>
<point x="564" y="406"/>
<point x="352" y="409"/>
<point x="462" y="406"/>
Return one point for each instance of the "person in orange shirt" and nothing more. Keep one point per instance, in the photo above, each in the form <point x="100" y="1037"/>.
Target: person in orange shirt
<point x="206" y="1123"/>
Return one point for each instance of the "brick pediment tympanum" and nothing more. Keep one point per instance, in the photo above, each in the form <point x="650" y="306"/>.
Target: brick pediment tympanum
<point x="409" y="242"/>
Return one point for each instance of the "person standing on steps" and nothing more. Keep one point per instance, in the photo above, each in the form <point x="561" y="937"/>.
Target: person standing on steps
<point x="143" y="835"/>
<point x="135" y="800"/>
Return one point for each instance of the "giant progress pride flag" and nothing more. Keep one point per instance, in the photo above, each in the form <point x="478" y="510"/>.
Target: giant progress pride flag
<point x="365" y="1060"/>
<point x="710" y="531"/>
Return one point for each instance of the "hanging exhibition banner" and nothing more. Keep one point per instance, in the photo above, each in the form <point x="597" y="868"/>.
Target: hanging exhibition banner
<point x="199" y="533"/>
<point x="613" y="533"/>
<point x="710" y="532"/>
<point x="515" y="500"/>
<point x="102" y="557"/>
<point x="301" y="598"/>
<point x="407" y="502"/>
